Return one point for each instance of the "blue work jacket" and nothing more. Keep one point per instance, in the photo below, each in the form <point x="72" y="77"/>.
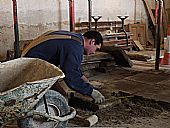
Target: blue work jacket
<point x="68" y="54"/>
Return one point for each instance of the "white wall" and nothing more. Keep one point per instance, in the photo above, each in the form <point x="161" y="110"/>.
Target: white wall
<point x="110" y="9"/>
<point x="38" y="16"/>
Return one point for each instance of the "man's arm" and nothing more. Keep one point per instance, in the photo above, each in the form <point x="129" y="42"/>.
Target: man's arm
<point x="71" y="60"/>
<point x="85" y="79"/>
<point x="74" y="77"/>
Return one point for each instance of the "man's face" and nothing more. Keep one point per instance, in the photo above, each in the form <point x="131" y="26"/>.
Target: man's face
<point x="91" y="47"/>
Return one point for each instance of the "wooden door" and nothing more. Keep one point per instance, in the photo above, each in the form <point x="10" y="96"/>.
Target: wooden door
<point x="139" y="32"/>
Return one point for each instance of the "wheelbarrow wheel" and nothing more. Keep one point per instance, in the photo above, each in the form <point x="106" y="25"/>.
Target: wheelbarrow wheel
<point x="57" y="105"/>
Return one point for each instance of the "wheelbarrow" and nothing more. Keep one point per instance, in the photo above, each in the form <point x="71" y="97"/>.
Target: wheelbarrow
<point x="25" y="95"/>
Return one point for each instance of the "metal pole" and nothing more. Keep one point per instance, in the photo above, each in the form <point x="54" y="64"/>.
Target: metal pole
<point x="158" y="35"/>
<point x="16" y="30"/>
<point x="95" y="25"/>
<point x="135" y="12"/>
<point x="72" y="18"/>
<point x="90" y="14"/>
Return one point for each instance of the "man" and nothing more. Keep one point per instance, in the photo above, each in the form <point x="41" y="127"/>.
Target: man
<point x="65" y="49"/>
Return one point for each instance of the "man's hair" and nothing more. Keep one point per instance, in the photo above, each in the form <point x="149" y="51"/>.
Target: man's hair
<point x="94" y="35"/>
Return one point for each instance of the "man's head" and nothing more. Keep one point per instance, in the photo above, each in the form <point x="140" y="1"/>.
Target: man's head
<point x="93" y="40"/>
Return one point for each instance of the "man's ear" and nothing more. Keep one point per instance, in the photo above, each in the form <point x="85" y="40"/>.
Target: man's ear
<point x="92" y="41"/>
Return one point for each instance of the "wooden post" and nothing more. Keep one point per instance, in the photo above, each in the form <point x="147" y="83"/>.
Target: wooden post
<point x="90" y="13"/>
<point x="72" y="18"/>
<point x="158" y="34"/>
<point x="16" y="30"/>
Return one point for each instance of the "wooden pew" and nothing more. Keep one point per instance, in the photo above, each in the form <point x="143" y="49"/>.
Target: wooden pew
<point x="81" y="27"/>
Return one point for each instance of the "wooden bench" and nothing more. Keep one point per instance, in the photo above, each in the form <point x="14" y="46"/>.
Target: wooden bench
<point x="102" y="26"/>
<point x="109" y="31"/>
<point x="120" y="43"/>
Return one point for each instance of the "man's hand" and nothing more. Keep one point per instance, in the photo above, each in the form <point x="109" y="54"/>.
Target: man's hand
<point x="97" y="96"/>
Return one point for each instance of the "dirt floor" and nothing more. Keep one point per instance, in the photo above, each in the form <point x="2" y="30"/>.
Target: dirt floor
<point x="126" y="110"/>
<point x="131" y="114"/>
<point x="137" y="97"/>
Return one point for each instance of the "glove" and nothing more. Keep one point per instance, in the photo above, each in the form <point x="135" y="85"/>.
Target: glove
<point x="97" y="96"/>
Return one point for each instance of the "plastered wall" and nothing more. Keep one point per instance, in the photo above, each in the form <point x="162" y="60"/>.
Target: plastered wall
<point x="38" y="16"/>
<point x="110" y="9"/>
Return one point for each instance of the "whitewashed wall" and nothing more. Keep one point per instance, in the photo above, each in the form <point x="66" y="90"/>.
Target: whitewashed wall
<point x="38" y="16"/>
<point x="110" y="9"/>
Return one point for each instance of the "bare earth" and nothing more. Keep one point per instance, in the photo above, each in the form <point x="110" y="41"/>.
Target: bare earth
<point x="127" y="112"/>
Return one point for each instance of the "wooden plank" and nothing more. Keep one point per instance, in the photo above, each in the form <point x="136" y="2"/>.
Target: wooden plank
<point x="83" y="102"/>
<point x="110" y="35"/>
<point x="89" y="66"/>
<point x="101" y="26"/>
<point x="100" y="23"/>
<point x="118" y="42"/>
<point x="10" y="126"/>
<point x="84" y="122"/>
<point x="148" y="7"/>
<point x="97" y="56"/>
<point x="120" y="57"/>
<point x="135" y="56"/>
<point x="138" y="45"/>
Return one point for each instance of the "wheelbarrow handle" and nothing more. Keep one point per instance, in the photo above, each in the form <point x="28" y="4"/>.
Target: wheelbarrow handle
<point x="69" y="116"/>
